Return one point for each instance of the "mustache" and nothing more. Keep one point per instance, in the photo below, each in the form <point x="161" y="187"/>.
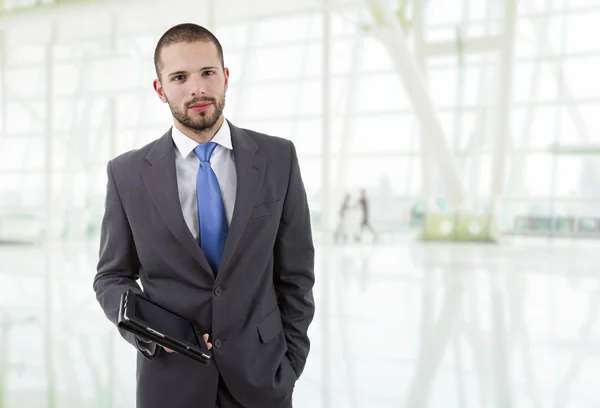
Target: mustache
<point x="198" y="100"/>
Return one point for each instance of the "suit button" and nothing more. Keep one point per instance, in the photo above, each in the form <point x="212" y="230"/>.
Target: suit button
<point x="218" y="291"/>
<point x="218" y="343"/>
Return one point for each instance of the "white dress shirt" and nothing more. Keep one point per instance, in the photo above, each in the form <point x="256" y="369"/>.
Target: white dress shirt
<point x="187" y="165"/>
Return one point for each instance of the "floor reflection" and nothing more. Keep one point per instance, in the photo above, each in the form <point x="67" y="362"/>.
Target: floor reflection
<point x="402" y="324"/>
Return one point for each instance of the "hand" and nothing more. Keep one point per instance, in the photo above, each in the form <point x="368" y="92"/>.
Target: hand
<point x="205" y="337"/>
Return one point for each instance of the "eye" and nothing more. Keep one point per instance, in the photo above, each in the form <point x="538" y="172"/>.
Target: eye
<point x="209" y="73"/>
<point x="178" y="78"/>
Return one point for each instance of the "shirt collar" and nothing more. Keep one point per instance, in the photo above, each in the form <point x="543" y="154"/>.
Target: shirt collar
<point x="185" y="145"/>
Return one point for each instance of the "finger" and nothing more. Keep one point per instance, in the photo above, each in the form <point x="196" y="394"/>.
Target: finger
<point x="209" y="345"/>
<point x="168" y="350"/>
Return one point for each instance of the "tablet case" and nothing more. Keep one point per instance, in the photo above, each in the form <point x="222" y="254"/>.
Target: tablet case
<point x="163" y="340"/>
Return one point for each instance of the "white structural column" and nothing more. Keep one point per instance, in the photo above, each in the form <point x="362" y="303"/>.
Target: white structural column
<point x="389" y="32"/>
<point x="112" y="102"/>
<point x="349" y="117"/>
<point x="48" y="225"/>
<point x="516" y="181"/>
<point x="461" y="31"/>
<point x="482" y="109"/>
<point x="111" y="387"/>
<point x="504" y="103"/>
<point x="558" y="119"/>
<point x="3" y="93"/>
<point x="212" y="15"/>
<point x="241" y="84"/>
<point x="326" y="212"/>
<point x="426" y="168"/>
<point x="4" y="348"/>
<point x="548" y="48"/>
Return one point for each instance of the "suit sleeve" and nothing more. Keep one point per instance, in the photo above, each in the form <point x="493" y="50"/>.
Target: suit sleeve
<point x="294" y="268"/>
<point x="118" y="264"/>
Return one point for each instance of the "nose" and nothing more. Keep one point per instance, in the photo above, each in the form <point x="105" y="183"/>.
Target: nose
<point x="197" y="86"/>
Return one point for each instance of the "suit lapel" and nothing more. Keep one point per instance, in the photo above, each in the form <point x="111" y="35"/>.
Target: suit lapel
<point x="250" y="169"/>
<point x="161" y="181"/>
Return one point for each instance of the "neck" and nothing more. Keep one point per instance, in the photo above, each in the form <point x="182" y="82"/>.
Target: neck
<point x="201" y="136"/>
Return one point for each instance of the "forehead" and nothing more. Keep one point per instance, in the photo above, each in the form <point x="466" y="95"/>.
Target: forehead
<point x="180" y="56"/>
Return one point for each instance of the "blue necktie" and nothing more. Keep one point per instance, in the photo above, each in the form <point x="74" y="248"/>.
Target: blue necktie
<point x="211" y="212"/>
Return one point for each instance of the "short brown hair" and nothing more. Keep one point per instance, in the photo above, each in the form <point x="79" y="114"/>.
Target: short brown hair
<point x="186" y="33"/>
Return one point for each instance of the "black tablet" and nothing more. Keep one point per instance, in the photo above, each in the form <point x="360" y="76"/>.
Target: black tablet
<point x="149" y="320"/>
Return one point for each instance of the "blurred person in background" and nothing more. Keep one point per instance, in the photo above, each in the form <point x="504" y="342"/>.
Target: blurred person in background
<point x="341" y="232"/>
<point x="365" y="223"/>
<point x="213" y="220"/>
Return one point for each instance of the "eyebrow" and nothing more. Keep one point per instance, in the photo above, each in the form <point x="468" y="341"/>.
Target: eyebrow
<point x="185" y="72"/>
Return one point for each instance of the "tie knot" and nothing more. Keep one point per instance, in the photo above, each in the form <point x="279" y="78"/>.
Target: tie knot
<point x="205" y="150"/>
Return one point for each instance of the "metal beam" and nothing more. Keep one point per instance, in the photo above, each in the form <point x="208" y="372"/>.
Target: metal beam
<point x="391" y="35"/>
<point x="57" y="11"/>
<point x="470" y="46"/>
<point x="576" y="149"/>
<point x="16" y="11"/>
<point x="53" y="12"/>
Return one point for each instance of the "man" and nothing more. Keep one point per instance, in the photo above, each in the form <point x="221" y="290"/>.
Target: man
<point x="365" y="223"/>
<point x="214" y="221"/>
<point x="341" y="232"/>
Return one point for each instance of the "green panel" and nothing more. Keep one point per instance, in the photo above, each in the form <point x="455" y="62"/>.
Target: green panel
<point x="439" y="227"/>
<point x="473" y="227"/>
<point x="456" y="227"/>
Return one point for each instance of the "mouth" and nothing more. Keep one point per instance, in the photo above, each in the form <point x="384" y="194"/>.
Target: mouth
<point x="200" y="106"/>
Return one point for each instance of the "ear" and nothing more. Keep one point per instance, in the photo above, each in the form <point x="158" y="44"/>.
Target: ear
<point x="226" y="71"/>
<point x="159" y="90"/>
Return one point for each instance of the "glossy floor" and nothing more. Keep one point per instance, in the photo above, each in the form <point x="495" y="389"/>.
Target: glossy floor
<point x="398" y="324"/>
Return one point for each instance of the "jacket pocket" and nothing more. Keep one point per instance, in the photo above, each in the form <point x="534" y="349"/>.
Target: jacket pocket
<point x="270" y="326"/>
<point x="265" y="209"/>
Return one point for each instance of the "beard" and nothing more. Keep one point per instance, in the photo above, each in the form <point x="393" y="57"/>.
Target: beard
<point x="204" y="120"/>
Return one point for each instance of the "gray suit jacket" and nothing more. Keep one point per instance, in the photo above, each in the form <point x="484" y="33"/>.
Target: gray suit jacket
<point x="258" y="308"/>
